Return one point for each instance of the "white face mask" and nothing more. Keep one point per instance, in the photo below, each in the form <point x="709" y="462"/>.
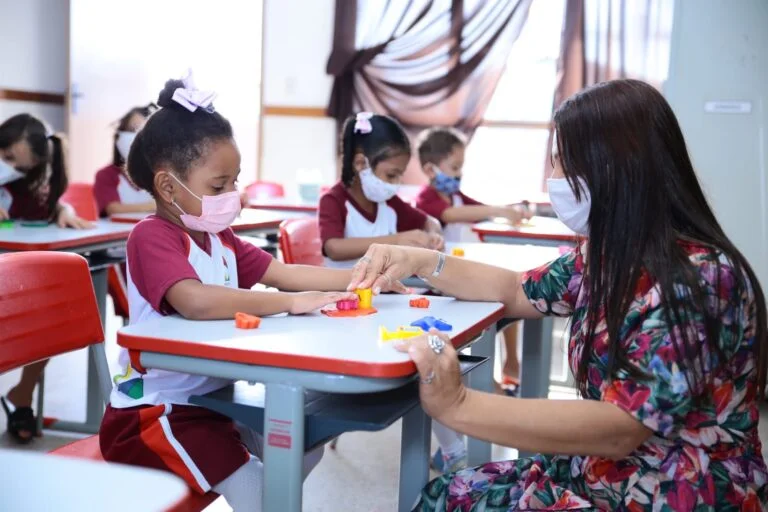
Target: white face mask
<point x="123" y="143"/>
<point x="571" y="212"/>
<point x="8" y="173"/>
<point x="376" y="189"/>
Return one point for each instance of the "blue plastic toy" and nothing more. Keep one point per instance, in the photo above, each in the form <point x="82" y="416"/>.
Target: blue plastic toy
<point x="430" y="322"/>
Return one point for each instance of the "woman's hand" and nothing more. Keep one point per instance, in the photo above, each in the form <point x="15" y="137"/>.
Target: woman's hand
<point x="67" y="219"/>
<point x="436" y="242"/>
<point x="441" y="389"/>
<point x="304" y="302"/>
<point x="383" y="266"/>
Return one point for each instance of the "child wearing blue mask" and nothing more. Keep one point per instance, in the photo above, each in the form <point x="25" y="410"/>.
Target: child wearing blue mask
<point x="441" y="153"/>
<point x="186" y="260"/>
<point x="363" y="208"/>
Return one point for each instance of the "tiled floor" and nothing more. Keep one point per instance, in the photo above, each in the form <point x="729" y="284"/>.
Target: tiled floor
<point x="362" y="474"/>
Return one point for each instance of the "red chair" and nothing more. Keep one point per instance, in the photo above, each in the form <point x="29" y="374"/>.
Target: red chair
<point x="264" y="190"/>
<point x="300" y="242"/>
<point x="49" y="308"/>
<point x="80" y="197"/>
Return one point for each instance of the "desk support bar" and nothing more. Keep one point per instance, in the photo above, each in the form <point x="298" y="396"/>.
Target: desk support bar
<point x="283" y="447"/>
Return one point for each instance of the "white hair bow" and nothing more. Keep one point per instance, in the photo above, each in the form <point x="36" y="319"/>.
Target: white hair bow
<point x="191" y="98"/>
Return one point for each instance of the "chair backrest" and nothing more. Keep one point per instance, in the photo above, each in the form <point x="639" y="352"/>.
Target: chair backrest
<point x="47" y="307"/>
<point x="80" y="197"/>
<point x="264" y="190"/>
<point x="300" y="242"/>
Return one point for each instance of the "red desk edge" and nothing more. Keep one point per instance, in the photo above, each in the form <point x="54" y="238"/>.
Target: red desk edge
<point x="62" y="244"/>
<point x="514" y="233"/>
<point x="296" y="362"/>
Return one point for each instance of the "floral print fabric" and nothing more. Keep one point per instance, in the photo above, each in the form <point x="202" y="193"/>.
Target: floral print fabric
<point x="700" y="457"/>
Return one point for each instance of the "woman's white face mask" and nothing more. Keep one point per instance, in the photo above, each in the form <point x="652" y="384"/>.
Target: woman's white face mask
<point x="571" y="212"/>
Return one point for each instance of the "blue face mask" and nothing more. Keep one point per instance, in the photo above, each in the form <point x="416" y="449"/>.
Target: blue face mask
<point x="445" y="184"/>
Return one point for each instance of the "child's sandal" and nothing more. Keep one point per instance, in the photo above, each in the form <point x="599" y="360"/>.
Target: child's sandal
<point x="22" y="419"/>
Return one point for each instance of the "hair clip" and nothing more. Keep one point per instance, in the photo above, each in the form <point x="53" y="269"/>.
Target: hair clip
<point x="363" y="122"/>
<point x="191" y="98"/>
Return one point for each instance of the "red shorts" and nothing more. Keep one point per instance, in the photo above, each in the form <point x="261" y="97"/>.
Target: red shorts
<point x="201" y="446"/>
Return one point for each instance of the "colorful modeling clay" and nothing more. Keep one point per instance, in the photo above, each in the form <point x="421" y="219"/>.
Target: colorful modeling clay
<point x="401" y="333"/>
<point x="429" y="322"/>
<point x="347" y="305"/>
<point x="246" y="321"/>
<point x="420" y="302"/>
<point x="7" y="224"/>
<point x="457" y="251"/>
<point x="348" y="313"/>
<point x="366" y="297"/>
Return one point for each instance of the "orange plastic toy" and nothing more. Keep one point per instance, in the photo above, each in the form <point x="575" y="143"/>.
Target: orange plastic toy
<point x="458" y="252"/>
<point x="421" y="302"/>
<point x="246" y="321"/>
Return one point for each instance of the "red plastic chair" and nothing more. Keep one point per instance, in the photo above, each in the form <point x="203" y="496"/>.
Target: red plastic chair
<point x="264" y="190"/>
<point x="80" y="197"/>
<point x="49" y="308"/>
<point x="300" y="242"/>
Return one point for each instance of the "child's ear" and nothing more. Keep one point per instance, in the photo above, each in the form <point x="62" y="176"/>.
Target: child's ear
<point x="429" y="170"/>
<point x="359" y="162"/>
<point x="165" y="186"/>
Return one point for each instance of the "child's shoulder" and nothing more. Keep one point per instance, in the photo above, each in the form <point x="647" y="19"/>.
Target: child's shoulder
<point x="155" y="228"/>
<point x="110" y="171"/>
<point x="336" y="195"/>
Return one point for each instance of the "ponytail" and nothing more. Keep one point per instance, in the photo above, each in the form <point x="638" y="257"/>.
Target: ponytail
<point x="58" y="180"/>
<point x="139" y="168"/>
<point x="348" y="152"/>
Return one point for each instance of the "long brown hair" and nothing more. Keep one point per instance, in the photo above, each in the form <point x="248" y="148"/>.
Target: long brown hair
<point x="622" y="138"/>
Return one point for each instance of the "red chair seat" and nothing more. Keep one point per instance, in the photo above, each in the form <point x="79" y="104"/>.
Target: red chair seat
<point x="88" y="448"/>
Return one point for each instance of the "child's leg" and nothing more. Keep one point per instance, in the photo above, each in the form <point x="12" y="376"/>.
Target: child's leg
<point x="243" y="488"/>
<point x="451" y="442"/>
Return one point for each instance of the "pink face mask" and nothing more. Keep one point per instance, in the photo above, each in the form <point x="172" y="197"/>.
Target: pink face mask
<point x="219" y="212"/>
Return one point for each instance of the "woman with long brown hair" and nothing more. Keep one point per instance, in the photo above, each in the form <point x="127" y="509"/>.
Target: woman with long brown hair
<point x="667" y="334"/>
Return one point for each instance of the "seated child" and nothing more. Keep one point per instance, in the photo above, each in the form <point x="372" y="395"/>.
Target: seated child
<point x="185" y="260"/>
<point x="441" y="153"/>
<point x="363" y="208"/>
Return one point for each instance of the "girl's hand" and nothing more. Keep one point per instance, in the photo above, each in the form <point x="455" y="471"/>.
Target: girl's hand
<point x="414" y="238"/>
<point x="441" y="389"/>
<point x="67" y="219"/>
<point x="4" y="215"/>
<point x="304" y="302"/>
<point x="383" y="266"/>
<point x="436" y="242"/>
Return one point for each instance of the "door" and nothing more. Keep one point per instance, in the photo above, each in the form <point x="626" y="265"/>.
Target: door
<point x="121" y="54"/>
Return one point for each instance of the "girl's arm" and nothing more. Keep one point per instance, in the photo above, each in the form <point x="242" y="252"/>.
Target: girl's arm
<point x="341" y="249"/>
<point x="116" y="207"/>
<point x="296" y="278"/>
<point x="197" y="301"/>
<point x="478" y="213"/>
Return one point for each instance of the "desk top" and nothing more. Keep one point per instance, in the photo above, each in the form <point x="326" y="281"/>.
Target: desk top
<point x="519" y="258"/>
<point x="313" y="342"/>
<point x="283" y="204"/>
<point x="37" y="481"/>
<point x="538" y="228"/>
<point x="52" y="237"/>
<point x="248" y="219"/>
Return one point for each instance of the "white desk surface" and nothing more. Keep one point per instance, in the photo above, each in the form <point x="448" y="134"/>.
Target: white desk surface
<point x="511" y="257"/>
<point x="314" y="342"/>
<point x="284" y="204"/>
<point x="52" y="237"/>
<point x="248" y="218"/>
<point x="31" y="481"/>
<point x="537" y="228"/>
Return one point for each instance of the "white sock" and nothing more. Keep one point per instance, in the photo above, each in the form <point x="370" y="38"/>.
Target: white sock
<point x="242" y="489"/>
<point x="451" y="442"/>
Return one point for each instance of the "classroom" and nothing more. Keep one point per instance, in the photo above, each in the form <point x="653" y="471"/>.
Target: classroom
<point x="367" y="255"/>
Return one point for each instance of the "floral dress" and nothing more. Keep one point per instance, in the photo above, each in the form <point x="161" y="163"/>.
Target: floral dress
<point x="698" y="458"/>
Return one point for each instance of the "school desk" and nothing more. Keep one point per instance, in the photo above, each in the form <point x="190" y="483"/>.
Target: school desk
<point x="93" y="244"/>
<point x="294" y="354"/>
<point x="544" y="231"/>
<point x="285" y="204"/>
<point x="37" y="481"/>
<point x="250" y="221"/>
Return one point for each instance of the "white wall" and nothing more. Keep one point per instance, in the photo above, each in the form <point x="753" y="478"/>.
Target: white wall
<point x="33" y="54"/>
<point x="720" y="52"/>
<point x="298" y="36"/>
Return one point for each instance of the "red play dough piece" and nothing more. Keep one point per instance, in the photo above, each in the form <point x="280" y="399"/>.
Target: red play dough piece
<point x="421" y="302"/>
<point x="347" y="305"/>
<point x="336" y="313"/>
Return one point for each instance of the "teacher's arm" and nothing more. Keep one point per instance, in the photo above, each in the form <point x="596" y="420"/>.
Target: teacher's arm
<point x="460" y="278"/>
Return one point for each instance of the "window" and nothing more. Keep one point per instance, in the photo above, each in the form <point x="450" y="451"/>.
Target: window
<point x="505" y="160"/>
